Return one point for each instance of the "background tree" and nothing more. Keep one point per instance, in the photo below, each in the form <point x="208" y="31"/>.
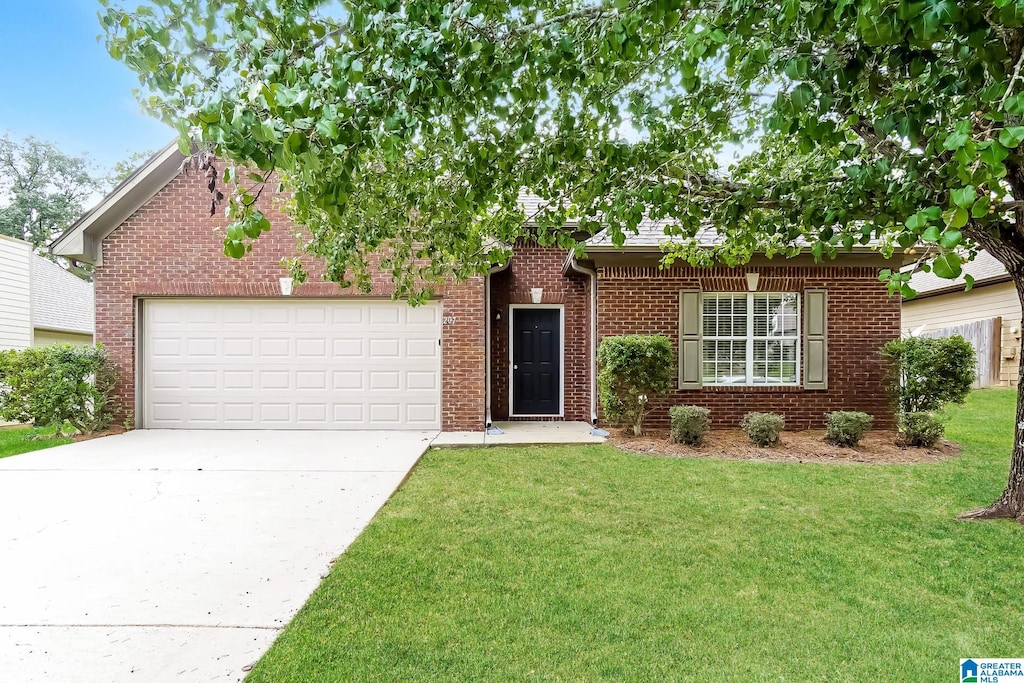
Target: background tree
<point x="124" y="168"/>
<point x="42" y="189"/>
<point x="415" y="125"/>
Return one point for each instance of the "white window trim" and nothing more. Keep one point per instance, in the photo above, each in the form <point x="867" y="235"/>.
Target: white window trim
<point x="750" y="338"/>
<point x="561" y="360"/>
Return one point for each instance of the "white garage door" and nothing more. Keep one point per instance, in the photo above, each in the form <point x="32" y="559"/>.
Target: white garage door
<point x="290" y="364"/>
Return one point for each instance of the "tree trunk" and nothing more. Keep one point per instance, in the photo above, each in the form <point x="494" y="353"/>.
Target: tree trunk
<point x="1011" y="504"/>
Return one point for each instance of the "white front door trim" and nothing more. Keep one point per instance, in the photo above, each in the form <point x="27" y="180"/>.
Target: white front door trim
<point x="561" y="358"/>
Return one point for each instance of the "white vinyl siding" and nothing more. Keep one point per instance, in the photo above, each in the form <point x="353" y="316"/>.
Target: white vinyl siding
<point x="750" y="339"/>
<point x="15" y="294"/>
<point x="290" y="364"/>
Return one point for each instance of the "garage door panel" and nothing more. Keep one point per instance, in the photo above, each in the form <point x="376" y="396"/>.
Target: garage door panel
<point x="291" y="364"/>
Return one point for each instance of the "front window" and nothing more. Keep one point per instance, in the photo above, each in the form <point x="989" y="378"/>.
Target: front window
<point x="751" y="339"/>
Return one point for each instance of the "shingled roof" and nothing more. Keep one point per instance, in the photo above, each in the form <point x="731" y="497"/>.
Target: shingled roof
<point x="61" y="301"/>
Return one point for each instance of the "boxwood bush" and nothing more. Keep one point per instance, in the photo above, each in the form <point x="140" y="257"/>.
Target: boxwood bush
<point x="635" y="369"/>
<point x="846" y="427"/>
<point x="920" y="429"/>
<point x="690" y="424"/>
<point x="764" y="429"/>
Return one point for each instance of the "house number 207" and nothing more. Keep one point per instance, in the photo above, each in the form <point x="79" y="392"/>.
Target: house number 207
<point x="448" y="320"/>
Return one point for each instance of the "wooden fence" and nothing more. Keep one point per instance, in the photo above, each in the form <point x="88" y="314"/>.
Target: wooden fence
<point x="986" y="338"/>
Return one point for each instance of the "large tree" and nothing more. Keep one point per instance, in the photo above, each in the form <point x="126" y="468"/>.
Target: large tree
<point x="414" y="125"/>
<point x="42" y="189"/>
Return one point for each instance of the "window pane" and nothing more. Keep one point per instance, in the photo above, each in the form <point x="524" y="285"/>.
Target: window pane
<point x="789" y="372"/>
<point x="724" y="315"/>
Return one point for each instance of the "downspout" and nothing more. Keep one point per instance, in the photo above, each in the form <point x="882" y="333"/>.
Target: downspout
<point x="487" y="341"/>
<point x="573" y="264"/>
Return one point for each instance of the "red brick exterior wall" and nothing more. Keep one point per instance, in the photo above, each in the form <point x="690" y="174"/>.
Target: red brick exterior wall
<point x="171" y="247"/>
<point x="536" y="266"/>
<point x="861" y="317"/>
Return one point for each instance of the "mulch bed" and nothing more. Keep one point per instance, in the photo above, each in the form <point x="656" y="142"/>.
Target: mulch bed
<point x="96" y="435"/>
<point x="732" y="444"/>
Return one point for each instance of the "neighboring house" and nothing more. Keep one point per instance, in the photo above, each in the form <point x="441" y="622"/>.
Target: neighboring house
<point x="205" y="341"/>
<point x="40" y="302"/>
<point x="989" y="315"/>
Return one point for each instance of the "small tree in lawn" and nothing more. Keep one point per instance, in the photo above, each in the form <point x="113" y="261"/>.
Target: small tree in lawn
<point x="635" y="369"/>
<point x="926" y="374"/>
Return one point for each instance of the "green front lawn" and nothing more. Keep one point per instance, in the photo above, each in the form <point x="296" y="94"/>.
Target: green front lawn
<point x="16" y="440"/>
<point x="588" y="564"/>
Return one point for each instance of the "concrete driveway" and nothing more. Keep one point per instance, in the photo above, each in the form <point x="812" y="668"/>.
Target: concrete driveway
<point x="177" y="556"/>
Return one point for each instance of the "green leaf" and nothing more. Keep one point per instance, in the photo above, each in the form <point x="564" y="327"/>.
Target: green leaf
<point x="947" y="266"/>
<point x="993" y="154"/>
<point x="185" y="145"/>
<point x="956" y="217"/>
<point x="932" y="234"/>
<point x="251" y="229"/>
<point x="980" y="208"/>
<point x="916" y="222"/>
<point x="951" y="239"/>
<point x="964" y="197"/>
<point x="797" y="68"/>
<point x="802" y="96"/>
<point x="234" y="249"/>
<point x="955" y="140"/>
<point x="1011" y="136"/>
<point x="1015" y="105"/>
<point x="327" y="128"/>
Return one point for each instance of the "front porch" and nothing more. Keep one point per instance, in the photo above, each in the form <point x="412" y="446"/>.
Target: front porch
<point x="521" y="433"/>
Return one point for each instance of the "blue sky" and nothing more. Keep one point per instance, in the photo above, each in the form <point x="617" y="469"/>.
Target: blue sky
<point x="59" y="84"/>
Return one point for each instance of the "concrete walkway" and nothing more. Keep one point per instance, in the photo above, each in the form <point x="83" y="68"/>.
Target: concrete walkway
<point x="522" y="434"/>
<point x="177" y="556"/>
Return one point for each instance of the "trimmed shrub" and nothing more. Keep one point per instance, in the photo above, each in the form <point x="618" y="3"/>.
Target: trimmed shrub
<point x="635" y="369"/>
<point x="56" y="385"/>
<point x="920" y="429"/>
<point x="764" y="429"/>
<point x="846" y="427"/>
<point x="690" y="424"/>
<point x="926" y="374"/>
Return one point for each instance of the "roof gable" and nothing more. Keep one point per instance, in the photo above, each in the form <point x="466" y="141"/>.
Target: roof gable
<point x="84" y="239"/>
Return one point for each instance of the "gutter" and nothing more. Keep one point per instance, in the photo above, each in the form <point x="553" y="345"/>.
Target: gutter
<point x="487" y="341"/>
<point x="572" y="264"/>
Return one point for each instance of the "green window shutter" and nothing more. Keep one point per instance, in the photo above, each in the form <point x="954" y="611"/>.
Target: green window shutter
<point x="815" y="339"/>
<point x="689" y="339"/>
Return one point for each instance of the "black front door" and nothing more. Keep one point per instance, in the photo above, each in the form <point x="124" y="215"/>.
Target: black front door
<point x="536" y="361"/>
